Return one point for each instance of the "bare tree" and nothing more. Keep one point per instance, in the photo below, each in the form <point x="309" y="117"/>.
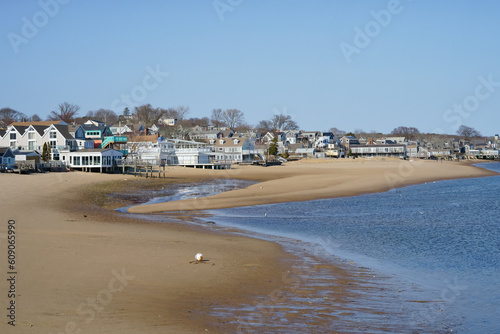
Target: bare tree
<point x="191" y="122"/>
<point x="337" y="132"/>
<point x="283" y="122"/>
<point x="66" y="112"/>
<point x="467" y="132"/>
<point x="181" y="112"/>
<point x="217" y="118"/>
<point x="147" y="114"/>
<point x="35" y="118"/>
<point x="409" y="133"/>
<point x="233" y="118"/>
<point x="178" y="113"/>
<point x="107" y="116"/>
<point x="9" y="115"/>
<point x="264" y="126"/>
<point x="90" y="114"/>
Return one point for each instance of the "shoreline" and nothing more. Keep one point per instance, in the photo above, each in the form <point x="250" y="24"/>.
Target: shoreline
<point x="83" y="267"/>
<point x="74" y="246"/>
<point x="309" y="181"/>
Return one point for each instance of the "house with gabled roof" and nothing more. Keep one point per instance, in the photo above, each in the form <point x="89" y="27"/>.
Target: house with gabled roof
<point x="233" y="150"/>
<point x="122" y="130"/>
<point x="347" y="141"/>
<point x="33" y="137"/>
<point x="7" y="158"/>
<point x="270" y="136"/>
<point x="291" y="136"/>
<point x="41" y="123"/>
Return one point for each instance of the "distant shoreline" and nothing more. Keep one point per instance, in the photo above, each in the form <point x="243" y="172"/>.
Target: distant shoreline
<point x="302" y="181"/>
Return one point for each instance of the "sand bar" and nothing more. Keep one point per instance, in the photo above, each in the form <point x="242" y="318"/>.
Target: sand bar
<point x="306" y="180"/>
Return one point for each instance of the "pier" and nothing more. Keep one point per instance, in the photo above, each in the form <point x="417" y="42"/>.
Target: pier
<point x="148" y="169"/>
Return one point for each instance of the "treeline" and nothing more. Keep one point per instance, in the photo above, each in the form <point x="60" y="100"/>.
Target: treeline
<point x="148" y="115"/>
<point x="232" y="118"/>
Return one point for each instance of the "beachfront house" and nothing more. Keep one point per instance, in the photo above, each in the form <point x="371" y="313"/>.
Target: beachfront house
<point x="31" y="137"/>
<point x="334" y="150"/>
<point x="347" y="141"/>
<point x="305" y="152"/>
<point x="7" y="158"/>
<point x="234" y="150"/>
<point x="379" y="150"/>
<point x="96" y="159"/>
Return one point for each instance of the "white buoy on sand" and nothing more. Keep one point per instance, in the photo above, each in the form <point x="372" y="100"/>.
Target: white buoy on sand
<point x="198" y="257"/>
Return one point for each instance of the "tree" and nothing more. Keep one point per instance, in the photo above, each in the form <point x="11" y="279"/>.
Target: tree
<point x="66" y="112"/>
<point x="178" y="113"/>
<point x="337" y="132"/>
<point x="147" y="114"/>
<point x="181" y="112"/>
<point x="35" y="118"/>
<point x="126" y="112"/>
<point x="283" y="122"/>
<point x="233" y="118"/>
<point x="104" y="115"/>
<point x="195" y="121"/>
<point x="46" y="152"/>
<point x="467" y="132"/>
<point x="217" y="118"/>
<point x="9" y="115"/>
<point x="273" y="147"/>
<point x="409" y="133"/>
<point x="264" y="126"/>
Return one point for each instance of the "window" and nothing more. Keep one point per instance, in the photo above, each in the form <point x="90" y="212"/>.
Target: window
<point x="53" y="144"/>
<point x="97" y="161"/>
<point x="31" y="145"/>
<point x="31" y="135"/>
<point x="12" y="136"/>
<point x="53" y="135"/>
<point x="76" y="161"/>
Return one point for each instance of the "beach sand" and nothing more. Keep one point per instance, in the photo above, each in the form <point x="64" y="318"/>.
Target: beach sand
<point x="81" y="268"/>
<point x="309" y="180"/>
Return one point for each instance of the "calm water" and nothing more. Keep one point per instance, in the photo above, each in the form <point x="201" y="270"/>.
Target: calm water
<point x="443" y="237"/>
<point x="437" y="242"/>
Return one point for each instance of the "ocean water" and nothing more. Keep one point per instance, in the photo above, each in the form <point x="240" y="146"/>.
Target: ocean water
<point x="441" y="238"/>
<point x="426" y="257"/>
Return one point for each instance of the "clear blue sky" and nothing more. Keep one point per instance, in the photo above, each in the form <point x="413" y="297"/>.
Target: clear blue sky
<point x="262" y="57"/>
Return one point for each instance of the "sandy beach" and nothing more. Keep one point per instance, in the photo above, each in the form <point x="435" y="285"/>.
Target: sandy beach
<point x="81" y="268"/>
<point x="310" y="179"/>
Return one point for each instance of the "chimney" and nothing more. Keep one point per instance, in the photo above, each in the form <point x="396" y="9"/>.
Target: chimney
<point x="370" y="141"/>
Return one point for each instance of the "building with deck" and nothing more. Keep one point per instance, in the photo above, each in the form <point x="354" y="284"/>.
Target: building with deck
<point x="96" y="159"/>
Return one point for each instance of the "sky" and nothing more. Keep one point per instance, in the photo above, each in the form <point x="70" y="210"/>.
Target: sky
<point x="353" y="65"/>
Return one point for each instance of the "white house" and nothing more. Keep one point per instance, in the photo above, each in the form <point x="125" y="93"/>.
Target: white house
<point x="176" y="152"/>
<point x="374" y="150"/>
<point x="92" y="159"/>
<point x="33" y="137"/>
